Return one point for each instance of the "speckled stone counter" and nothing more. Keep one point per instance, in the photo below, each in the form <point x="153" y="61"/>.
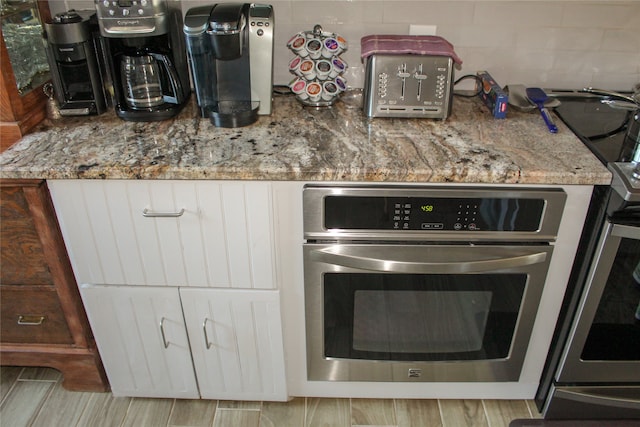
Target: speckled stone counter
<point x="296" y="143"/>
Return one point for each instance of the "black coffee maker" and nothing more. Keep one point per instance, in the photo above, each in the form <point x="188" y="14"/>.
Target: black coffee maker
<point x="230" y="47"/>
<point x="78" y="72"/>
<point x="147" y="58"/>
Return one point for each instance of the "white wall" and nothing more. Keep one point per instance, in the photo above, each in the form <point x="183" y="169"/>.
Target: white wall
<point x="553" y="44"/>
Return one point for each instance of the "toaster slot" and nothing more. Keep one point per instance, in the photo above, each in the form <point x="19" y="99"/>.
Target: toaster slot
<point x="402" y="73"/>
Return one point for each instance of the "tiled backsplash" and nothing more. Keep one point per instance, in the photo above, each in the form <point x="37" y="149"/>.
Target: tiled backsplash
<point x="552" y="44"/>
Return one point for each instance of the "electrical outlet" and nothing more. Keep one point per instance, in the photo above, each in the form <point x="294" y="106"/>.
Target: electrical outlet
<point x="422" y="30"/>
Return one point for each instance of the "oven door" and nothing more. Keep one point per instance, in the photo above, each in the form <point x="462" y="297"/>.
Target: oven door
<point x="440" y="313"/>
<point x="604" y="341"/>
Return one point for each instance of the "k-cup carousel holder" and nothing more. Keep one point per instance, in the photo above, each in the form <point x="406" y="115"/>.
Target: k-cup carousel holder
<point x="317" y="67"/>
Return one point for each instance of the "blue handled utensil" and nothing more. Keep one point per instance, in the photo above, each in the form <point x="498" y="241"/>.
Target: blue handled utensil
<point x="538" y="97"/>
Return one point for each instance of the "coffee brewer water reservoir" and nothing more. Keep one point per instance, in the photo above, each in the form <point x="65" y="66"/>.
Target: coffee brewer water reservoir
<point x="230" y="46"/>
<point x="146" y="53"/>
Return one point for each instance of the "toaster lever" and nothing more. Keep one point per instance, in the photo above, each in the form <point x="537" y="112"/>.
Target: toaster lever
<point x="419" y="77"/>
<point x="402" y="73"/>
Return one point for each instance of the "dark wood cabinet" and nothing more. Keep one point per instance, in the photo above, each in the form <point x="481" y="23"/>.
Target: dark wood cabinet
<point x="19" y="113"/>
<point x="43" y="322"/>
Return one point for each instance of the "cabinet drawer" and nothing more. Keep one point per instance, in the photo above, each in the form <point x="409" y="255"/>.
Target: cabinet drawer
<point x="168" y="233"/>
<point x="32" y="316"/>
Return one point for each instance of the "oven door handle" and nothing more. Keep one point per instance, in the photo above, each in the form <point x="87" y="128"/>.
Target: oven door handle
<point x="626" y="231"/>
<point x="336" y="257"/>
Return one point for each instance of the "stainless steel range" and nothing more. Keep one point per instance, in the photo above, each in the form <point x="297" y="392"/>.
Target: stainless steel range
<point x="593" y="371"/>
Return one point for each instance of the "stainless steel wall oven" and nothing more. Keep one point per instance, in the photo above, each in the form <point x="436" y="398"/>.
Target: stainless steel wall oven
<point x="424" y="283"/>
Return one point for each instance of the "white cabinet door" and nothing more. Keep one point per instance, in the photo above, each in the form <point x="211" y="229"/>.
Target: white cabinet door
<point x="236" y="342"/>
<point x="195" y="233"/>
<point x="142" y="340"/>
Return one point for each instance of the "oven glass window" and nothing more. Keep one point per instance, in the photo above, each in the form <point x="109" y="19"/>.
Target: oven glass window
<point x="615" y="331"/>
<point x="421" y="317"/>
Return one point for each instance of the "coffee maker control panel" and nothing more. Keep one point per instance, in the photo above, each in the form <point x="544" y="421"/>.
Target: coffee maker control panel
<point x="124" y="18"/>
<point x="261" y="22"/>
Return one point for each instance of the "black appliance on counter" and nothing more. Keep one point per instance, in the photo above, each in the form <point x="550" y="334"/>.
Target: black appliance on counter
<point x="230" y="47"/>
<point x="147" y="59"/>
<point x="593" y="370"/>
<point x="78" y="71"/>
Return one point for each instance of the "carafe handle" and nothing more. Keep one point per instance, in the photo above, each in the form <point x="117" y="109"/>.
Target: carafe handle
<point x="176" y="86"/>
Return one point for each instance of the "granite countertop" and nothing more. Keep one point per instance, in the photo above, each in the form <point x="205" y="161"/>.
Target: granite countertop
<point x="296" y="143"/>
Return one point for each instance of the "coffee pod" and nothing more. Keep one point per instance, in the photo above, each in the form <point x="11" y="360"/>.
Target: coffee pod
<point x="338" y="66"/>
<point x="329" y="90"/>
<point x="330" y="48"/>
<point x="294" y="66"/>
<point x="298" y="46"/>
<point x="299" y="88"/>
<point x="308" y="69"/>
<point x="341" y="42"/>
<point x="341" y="83"/>
<point x="323" y="69"/>
<point x="314" y="90"/>
<point x="314" y="47"/>
<point x="293" y="38"/>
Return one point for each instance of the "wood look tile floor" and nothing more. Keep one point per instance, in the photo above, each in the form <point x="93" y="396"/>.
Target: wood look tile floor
<point x="35" y="397"/>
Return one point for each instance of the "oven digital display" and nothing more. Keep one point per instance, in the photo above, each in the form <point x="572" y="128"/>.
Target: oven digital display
<point x="439" y="213"/>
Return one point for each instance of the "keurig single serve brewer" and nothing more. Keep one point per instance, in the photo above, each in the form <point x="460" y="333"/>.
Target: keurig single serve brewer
<point x="147" y="58"/>
<point x="230" y="46"/>
<point x="78" y="72"/>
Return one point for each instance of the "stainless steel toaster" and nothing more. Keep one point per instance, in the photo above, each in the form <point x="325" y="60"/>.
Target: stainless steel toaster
<point x="408" y="86"/>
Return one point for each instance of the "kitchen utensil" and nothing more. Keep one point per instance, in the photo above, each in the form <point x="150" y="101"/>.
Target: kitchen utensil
<point x="635" y="98"/>
<point x="519" y="101"/>
<point x="538" y="97"/>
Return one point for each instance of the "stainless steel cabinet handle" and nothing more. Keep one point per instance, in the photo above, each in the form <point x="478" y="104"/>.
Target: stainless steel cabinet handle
<point x="30" y="320"/>
<point x="151" y="214"/>
<point x="206" y="337"/>
<point x="328" y="256"/>
<point x="164" y="339"/>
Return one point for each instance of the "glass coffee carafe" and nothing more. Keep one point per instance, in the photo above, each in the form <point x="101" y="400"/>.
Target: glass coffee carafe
<point x="144" y="77"/>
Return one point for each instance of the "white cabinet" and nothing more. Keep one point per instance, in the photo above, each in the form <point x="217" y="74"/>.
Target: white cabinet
<point x="178" y="279"/>
<point x="168" y="233"/>
<point x="149" y="336"/>
<point x="236" y="342"/>
<point x="141" y="337"/>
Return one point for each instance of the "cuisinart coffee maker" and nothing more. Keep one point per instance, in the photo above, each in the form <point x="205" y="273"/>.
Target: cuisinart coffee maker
<point x="78" y="72"/>
<point x="147" y="58"/>
<point x="230" y="47"/>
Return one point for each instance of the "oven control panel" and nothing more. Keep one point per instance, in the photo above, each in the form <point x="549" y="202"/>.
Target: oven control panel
<point x="336" y="212"/>
<point x="429" y="219"/>
<point x="433" y="213"/>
